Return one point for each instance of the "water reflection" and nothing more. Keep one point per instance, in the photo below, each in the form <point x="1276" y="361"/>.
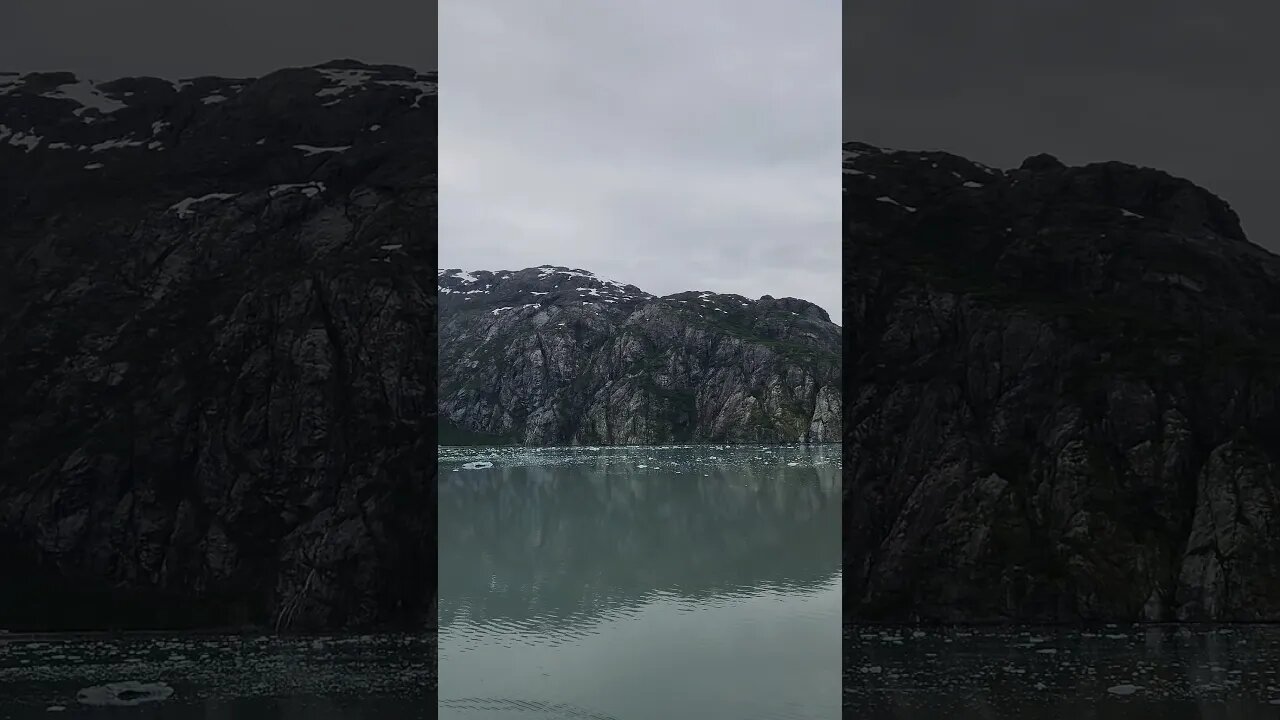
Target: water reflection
<point x="642" y="583"/>
<point x="517" y="544"/>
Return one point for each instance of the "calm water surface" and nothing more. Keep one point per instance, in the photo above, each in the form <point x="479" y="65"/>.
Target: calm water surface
<point x="217" y="677"/>
<point x="1114" y="672"/>
<point x="640" y="583"/>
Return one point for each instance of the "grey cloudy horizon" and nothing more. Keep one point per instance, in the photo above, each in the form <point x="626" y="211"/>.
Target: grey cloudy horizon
<point x="1181" y="86"/>
<point x="229" y="38"/>
<point x="671" y="146"/>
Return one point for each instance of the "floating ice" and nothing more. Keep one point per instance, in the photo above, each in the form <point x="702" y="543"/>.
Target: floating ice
<point x="477" y="465"/>
<point x="1124" y="689"/>
<point x="128" y="693"/>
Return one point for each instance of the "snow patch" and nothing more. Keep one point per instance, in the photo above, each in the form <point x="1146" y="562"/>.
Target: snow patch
<point x="313" y="150"/>
<point x="425" y="88"/>
<point x="345" y="79"/>
<point x="183" y="207"/>
<point x="310" y="189"/>
<point x="891" y="201"/>
<point x="88" y="96"/>
<point x="115" y="144"/>
<point x="17" y="138"/>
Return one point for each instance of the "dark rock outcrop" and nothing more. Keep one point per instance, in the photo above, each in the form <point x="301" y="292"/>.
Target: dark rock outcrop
<point x="217" y="349"/>
<point x="552" y="356"/>
<point x="1062" y="395"/>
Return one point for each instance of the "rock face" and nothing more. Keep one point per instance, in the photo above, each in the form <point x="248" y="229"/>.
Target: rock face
<point x="217" y="349"/>
<point x="554" y="356"/>
<point x="1062" y="395"/>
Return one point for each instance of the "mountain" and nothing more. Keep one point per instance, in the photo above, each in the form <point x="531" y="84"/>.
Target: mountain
<point x="1062" y="398"/>
<point x="555" y="356"/>
<point x="217" y="348"/>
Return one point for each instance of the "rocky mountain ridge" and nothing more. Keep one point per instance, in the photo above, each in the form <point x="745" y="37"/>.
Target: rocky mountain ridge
<point x="552" y="355"/>
<point x="1062" y="395"/>
<point x="218" y="344"/>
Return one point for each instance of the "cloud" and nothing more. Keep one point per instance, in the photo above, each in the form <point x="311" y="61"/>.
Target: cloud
<point x="676" y="146"/>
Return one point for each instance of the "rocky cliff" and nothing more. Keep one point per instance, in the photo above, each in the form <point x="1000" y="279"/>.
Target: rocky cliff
<point x="1062" y="395"/>
<point x="217" y="349"/>
<point x="554" y="356"/>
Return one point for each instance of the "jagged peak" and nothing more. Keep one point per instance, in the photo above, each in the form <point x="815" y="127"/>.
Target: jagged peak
<point x="913" y="180"/>
<point x="544" y="283"/>
<point x="560" y="284"/>
<point x="1042" y="161"/>
<point x="797" y="306"/>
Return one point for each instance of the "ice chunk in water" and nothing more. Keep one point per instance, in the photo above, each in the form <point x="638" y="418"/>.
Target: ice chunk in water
<point x="127" y="693"/>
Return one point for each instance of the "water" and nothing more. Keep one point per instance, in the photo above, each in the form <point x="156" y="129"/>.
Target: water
<point x="203" y="677"/>
<point x="640" y="583"/>
<point x="1113" y="672"/>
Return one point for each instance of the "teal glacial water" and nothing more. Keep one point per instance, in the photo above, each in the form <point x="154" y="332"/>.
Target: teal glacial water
<point x="640" y="583"/>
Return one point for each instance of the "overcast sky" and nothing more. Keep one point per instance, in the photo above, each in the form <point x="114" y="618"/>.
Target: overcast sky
<point x="671" y="145"/>
<point x="1186" y="86"/>
<point x="234" y="38"/>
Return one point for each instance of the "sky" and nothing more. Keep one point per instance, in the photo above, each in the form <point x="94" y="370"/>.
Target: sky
<point x="671" y="145"/>
<point x="1186" y="86"/>
<point x="231" y="38"/>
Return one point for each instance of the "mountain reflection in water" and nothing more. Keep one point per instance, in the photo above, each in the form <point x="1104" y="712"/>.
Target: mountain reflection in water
<point x="640" y="582"/>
